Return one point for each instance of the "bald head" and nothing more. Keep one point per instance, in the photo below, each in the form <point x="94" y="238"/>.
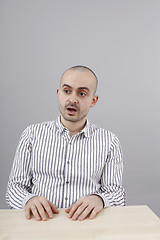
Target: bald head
<point x="82" y="69"/>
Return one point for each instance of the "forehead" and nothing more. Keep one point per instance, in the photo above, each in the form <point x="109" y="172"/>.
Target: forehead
<point x="78" y="79"/>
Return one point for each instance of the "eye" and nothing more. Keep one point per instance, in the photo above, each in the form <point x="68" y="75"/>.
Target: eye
<point x="66" y="91"/>
<point x="83" y="94"/>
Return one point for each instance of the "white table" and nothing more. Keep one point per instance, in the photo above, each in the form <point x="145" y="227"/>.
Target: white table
<point x="115" y="223"/>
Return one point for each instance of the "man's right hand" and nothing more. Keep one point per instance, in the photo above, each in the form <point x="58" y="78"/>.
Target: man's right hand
<point x="40" y="207"/>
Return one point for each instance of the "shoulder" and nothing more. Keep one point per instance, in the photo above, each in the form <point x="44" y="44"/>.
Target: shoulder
<point x="34" y="128"/>
<point x="105" y="135"/>
<point x="46" y="124"/>
<point x="102" y="131"/>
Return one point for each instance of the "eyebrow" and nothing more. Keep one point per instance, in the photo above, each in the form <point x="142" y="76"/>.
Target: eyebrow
<point x="83" y="88"/>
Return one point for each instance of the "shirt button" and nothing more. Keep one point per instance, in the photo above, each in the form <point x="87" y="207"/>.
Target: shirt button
<point x="67" y="182"/>
<point x="68" y="162"/>
<point x="66" y="198"/>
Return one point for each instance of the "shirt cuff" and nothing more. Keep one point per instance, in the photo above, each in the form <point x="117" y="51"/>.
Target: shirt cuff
<point x="105" y="201"/>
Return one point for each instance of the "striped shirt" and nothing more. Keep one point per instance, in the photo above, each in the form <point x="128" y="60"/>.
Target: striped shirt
<point x="50" y="163"/>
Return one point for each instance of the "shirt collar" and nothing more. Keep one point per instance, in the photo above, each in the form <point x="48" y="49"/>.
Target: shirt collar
<point x="87" y="130"/>
<point x="60" y="125"/>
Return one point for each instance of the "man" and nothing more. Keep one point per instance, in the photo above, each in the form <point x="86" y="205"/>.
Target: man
<point x="68" y="163"/>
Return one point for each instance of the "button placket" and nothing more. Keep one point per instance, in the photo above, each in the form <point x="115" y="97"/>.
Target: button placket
<point x="67" y="172"/>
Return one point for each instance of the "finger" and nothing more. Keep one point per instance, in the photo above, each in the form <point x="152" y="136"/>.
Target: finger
<point x="28" y="213"/>
<point x="79" y="211"/>
<point x="41" y="211"/>
<point x="47" y="208"/>
<point x="54" y="208"/>
<point x="35" y="213"/>
<point x="74" y="208"/>
<point x="93" y="213"/>
<point x="85" y="213"/>
<point x="67" y="210"/>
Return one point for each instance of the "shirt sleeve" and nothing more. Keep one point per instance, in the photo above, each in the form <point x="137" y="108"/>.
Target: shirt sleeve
<point x="20" y="179"/>
<point x="111" y="190"/>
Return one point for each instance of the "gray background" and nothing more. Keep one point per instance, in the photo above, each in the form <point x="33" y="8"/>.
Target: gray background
<point x="120" y="41"/>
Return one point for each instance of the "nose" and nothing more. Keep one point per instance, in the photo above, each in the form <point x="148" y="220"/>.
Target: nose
<point x="73" y="98"/>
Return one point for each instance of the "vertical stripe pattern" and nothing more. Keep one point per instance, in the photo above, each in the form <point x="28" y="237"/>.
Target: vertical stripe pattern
<point x="49" y="162"/>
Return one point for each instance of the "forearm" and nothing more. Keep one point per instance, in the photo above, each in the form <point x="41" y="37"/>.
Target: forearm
<point x="112" y="196"/>
<point x="17" y="196"/>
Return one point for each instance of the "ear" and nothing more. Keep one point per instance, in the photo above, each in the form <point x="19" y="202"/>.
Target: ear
<point x="94" y="101"/>
<point x="57" y="91"/>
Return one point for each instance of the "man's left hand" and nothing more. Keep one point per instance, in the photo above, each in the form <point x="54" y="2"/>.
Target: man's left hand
<point x="86" y="205"/>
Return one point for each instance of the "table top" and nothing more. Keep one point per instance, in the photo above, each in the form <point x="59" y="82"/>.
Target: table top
<point x="114" y="223"/>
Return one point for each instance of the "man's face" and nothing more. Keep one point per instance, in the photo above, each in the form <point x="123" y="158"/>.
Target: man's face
<point x="76" y="95"/>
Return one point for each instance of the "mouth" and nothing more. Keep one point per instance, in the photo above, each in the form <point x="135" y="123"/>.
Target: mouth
<point x="71" y="110"/>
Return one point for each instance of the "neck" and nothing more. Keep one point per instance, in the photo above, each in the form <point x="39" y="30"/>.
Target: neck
<point x="73" y="127"/>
